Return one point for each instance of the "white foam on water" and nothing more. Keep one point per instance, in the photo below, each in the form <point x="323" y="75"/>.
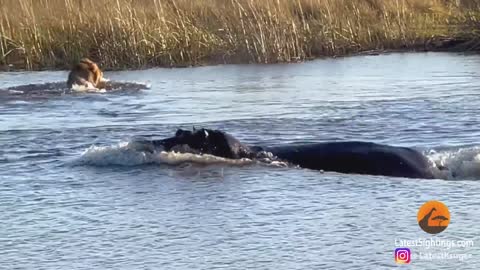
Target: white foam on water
<point x="120" y="154"/>
<point x="462" y="163"/>
<point x="174" y="158"/>
<point x="15" y="92"/>
<point x="88" y="88"/>
<point x="147" y="85"/>
<point x="128" y="154"/>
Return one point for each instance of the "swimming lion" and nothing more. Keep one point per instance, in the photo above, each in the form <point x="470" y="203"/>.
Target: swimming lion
<point x="86" y="73"/>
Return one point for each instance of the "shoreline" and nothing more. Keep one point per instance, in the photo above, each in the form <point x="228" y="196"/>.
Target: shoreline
<point x="445" y="45"/>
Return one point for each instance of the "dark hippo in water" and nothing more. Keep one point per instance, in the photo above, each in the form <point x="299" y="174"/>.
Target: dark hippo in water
<point x="207" y="141"/>
<point x="344" y="157"/>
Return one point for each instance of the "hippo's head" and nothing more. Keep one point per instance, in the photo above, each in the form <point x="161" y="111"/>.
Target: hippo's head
<point x="207" y="141"/>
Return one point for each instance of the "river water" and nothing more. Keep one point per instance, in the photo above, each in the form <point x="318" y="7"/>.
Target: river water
<point x="74" y="195"/>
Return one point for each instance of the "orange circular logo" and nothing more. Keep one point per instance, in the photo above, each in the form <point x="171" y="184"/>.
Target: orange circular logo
<point x="433" y="217"/>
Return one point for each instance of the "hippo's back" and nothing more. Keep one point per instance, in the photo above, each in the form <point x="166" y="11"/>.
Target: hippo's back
<point x="357" y="157"/>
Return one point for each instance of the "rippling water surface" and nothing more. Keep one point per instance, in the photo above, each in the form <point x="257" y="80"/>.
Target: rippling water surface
<point x="74" y="196"/>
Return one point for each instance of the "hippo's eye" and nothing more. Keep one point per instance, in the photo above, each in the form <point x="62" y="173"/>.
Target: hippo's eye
<point x="206" y="133"/>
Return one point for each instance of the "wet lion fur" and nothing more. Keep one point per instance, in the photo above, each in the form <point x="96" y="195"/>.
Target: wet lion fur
<point x="86" y="73"/>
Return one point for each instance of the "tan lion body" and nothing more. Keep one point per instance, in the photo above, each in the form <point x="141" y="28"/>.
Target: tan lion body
<point x="86" y="73"/>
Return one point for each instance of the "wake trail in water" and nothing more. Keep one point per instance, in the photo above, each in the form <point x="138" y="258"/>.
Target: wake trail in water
<point x="129" y="154"/>
<point x="46" y="90"/>
<point x="454" y="164"/>
<point x="459" y="163"/>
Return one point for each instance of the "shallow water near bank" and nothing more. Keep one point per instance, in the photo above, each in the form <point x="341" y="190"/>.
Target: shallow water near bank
<point x="74" y="195"/>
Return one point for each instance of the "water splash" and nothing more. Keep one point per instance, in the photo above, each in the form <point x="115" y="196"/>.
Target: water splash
<point x="89" y="88"/>
<point x="459" y="163"/>
<point x="130" y="154"/>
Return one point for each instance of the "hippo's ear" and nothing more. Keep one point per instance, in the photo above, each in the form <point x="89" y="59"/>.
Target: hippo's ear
<point x="193" y="128"/>
<point x="179" y="132"/>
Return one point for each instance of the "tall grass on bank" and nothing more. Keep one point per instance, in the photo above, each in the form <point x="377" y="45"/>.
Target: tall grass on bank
<point x="38" y="34"/>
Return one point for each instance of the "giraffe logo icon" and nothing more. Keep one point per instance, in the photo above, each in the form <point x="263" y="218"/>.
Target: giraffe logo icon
<point x="433" y="217"/>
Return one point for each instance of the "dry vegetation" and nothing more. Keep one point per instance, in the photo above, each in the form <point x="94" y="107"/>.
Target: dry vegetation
<point x="38" y="34"/>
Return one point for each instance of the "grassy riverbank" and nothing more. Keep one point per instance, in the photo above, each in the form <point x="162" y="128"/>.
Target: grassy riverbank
<point x="39" y="34"/>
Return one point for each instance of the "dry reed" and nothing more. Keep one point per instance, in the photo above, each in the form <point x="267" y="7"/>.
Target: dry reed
<point x="39" y="34"/>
